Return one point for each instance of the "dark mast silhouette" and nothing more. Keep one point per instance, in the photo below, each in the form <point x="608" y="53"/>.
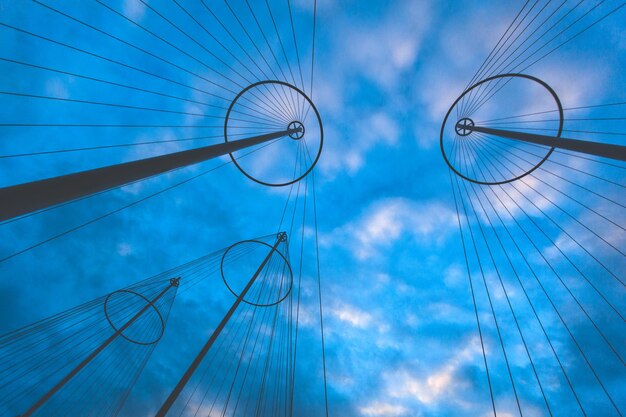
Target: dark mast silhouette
<point x="221" y="76"/>
<point x="538" y="187"/>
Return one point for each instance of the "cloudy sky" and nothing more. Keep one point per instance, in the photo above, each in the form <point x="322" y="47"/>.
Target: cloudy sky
<point x="400" y="331"/>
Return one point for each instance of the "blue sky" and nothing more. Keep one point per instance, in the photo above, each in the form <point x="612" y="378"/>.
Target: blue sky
<point x="401" y="337"/>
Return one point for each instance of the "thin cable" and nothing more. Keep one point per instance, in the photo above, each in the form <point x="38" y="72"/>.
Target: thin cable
<point x="469" y="274"/>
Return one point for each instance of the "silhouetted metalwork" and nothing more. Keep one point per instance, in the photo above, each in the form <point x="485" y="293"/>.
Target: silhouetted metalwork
<point x="449" y="138"/>
<point x="117" y="94"/>
<point x="59" y="363"/>
<point x="150" y="304"/>
<point x="308" y="135"/>
<point x="605" y="150"/>
<point x="465" y="126"/>
<point x="25" y="198"/>
<point x="281" y="238"/>
<point x="542" y="223"/>
<point x="286" y="271"/>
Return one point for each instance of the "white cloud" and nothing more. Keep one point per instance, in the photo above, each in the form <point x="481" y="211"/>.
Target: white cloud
<point x="57" y="88"/>
<point x="349" y="153"/>
<point x="383" y="409"/>
<point x="454" y="275"/>
<point x="384" y="51"/>
<point x="389" y="220"/>
<point x="134" y="9"/>
<point x="351" y="315"/>
<point x="578" y="239"/>
<point x="380" y="127"/>
<point x="432" y="387"/>
<point x="447" y="312"/>
<point x="446" y="77"/>
<point x="385" y="54"/>
<point x="580" y="85"/>
<point x="124" y="249"/>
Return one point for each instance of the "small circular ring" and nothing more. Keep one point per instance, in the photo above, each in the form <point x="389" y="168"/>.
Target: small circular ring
<point x="106" y="313"/>
<point x="462" y="130"/>
<point x="296" y="125"/>
<point x="319" y="120"/>
<point x="244" y="298"/>
<point x="486" y="80"/>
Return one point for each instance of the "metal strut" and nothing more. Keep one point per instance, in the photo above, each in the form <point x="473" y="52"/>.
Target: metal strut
<point x="25" y="198"/>
<point x="205" y="349"/>
<point x="173" y="283"/>
<point x="604" y="150"/>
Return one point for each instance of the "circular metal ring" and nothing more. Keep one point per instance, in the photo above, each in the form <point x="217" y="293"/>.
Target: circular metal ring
<point x="244" y="298"/>
<point x="319" y="120"/>
<point x="106" y="313"/>
<point x="296" y="125"/>
<point x="495" y="77"/>
<point x="463" y="130"/>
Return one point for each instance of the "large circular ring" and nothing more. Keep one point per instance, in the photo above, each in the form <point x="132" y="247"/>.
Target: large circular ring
<point x="267" y="108"/>
<point x="286" y="268"/>
<point x="509" y="159"/>
<point x="111" y="319"/>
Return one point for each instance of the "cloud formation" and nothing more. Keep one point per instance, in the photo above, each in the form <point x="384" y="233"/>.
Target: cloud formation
<point x="387" y="221"/>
